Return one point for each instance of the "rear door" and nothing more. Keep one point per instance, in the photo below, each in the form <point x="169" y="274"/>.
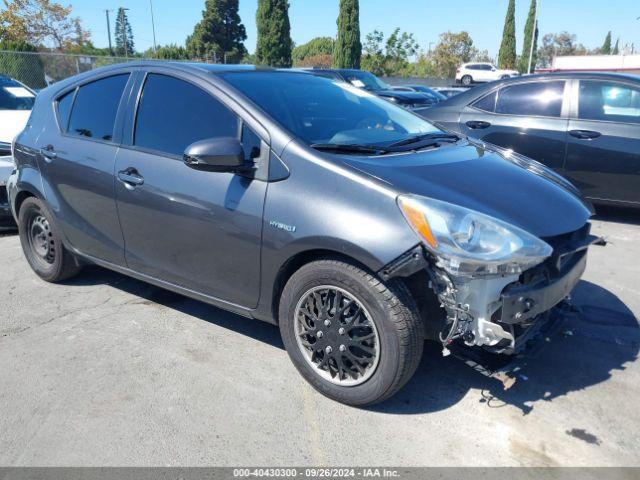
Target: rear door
<point x="528" y="118"/>
<point x="77" y="156"/>
<point x="195" y="229"/>
<point x="603" y="152"/>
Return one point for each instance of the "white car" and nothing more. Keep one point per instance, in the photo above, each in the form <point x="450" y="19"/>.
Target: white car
<point x="469" y="73"/>
<point x="16" y="102"/>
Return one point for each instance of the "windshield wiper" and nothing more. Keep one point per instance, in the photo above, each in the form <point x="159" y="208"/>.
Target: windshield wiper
<point x="426" y="136"/>
<point x="350" y="148"/>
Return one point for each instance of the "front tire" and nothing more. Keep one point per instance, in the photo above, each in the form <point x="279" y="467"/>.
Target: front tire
<point x="354" y="338"/>
<point x="42" y="244"/>
<point x="466" y="80"/>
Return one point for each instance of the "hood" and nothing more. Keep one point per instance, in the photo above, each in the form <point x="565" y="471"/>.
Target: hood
<point x="12" y="122"/>
<point x="472" y="177"/>
<point x="406" y="97"/>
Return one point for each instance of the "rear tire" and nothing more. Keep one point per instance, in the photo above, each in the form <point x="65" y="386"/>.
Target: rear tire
<point x="42" y="244"/>
<point x="373" y="336"/>
<point x="466" y="80"/>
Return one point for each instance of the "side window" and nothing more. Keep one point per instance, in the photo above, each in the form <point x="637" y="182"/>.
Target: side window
<point x="472" y="67"/>
<point x="95" y="108"/>
<point x="173" y="114"/>
<point x="614" y="102"/>
<point x="487" y="103"/>
<point x="532" y="99"/>
<point x="64" y="109"/>
<point x="250" y="144"/>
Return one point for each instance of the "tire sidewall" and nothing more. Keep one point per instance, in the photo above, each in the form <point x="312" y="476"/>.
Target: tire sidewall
<point x="28" y="210"/>
<point x="466" y="80"/>
<point x="357" y="286"/>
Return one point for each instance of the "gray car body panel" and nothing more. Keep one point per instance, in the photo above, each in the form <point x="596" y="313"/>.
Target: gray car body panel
<point x="308" y="203"/>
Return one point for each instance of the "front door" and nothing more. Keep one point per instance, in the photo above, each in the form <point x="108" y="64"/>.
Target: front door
<point x="195" y="229"/>
<point x="77" y="159"/>
<point x="524" y="117"/>
<point x="603" y="153"/>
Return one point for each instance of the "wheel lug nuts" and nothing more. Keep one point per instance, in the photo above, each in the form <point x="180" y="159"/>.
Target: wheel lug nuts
<point x="327" y="323"/>
<point x="342" y="348"/>
<point x="328" y="350"/>
<point x="320" y="334"/>
<point x="341" y="331"/>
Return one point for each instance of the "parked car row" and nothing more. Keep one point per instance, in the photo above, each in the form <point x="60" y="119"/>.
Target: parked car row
<point x="357" y="226"/>
<point x="585" y="126"/>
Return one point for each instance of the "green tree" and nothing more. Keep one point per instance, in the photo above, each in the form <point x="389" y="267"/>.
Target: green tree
<point x="452" y="50"/>
<point x="558" y="44"/>
<point x="606" y="46"/>
<point x="530" y="35"/>
<point x="168" y="52"/>
<point x="25" y="67"/>
<point x="507" y="55"/>
<point x="314" y="47"/>
<point x="348" y="49"/>
<point x="220" y="35"/>
<point x="124" y="34"/>
<point x="373" y="58"/>
<point x="616" y="49"/>
<point x="274" y="44"/>
<point x="390" y="56"/>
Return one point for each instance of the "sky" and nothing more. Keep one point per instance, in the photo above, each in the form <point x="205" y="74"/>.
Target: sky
<point x="426" y="19"/>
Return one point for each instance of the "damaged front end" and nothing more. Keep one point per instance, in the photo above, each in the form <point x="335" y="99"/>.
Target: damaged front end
<point x="496" y="282"/>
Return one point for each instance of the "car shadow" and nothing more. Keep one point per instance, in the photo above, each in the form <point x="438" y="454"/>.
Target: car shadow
<point x="601" y="337"/>
<point x="630" y="216"/>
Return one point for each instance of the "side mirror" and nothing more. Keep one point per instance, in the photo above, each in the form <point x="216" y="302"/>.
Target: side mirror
<point x="223" y="154"/>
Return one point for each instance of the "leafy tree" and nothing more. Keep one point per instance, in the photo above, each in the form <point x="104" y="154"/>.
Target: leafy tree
<point x="348" y="49"/>
<point x="452" y="50"/>
<point x="220" y="34"/>
<point x="168" y="52"/>
<point x="390" y="56"/>
<point x="616" y="49"/>
<point x="124" y="34"/>
<point x="322" y="60"/>
<point x="313" y="48"/>
<point x="558" y="44"/>
<point x="274" y="44"/>
<point x="23" y="67"/>
<point x="41" y="23"/>
<point x="606" y="46"/>
<point x="507" y="55"/>
<point x="529" y="36"/>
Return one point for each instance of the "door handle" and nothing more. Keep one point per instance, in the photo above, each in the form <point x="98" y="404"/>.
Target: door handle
<point x="584" y="134"/>
<point x="48" y="152"/>
<point x="130" y="177"/>
<point x="477" y="124"/>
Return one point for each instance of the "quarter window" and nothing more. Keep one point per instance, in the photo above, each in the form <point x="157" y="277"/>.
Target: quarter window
<point x="64" y="109"/>
<point x="542" y="99"/>
<point x="609" y="101"/>
<point x="95" y="108"/>
<point x="487" y="103"/>
<point x="173" y="114"/>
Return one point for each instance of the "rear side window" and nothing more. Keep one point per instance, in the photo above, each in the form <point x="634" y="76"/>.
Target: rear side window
<point x="614" y="102"/>
<point x="95" y="108"/>
<point x="531" y="99"/>
<point x="64" y="109"/>
<point x="487" y="103"/>
<point x="173" y="114"/>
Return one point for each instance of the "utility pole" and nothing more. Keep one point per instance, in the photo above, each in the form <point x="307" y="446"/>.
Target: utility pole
<point x="109" y="32"/>
<point x="153" y="28"/>
<point x="533" y="37"/>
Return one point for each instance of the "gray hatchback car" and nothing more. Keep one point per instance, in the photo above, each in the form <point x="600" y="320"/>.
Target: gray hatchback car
<point x="356" y="226"/>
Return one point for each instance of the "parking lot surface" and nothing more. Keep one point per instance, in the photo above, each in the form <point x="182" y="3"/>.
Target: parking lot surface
<point x="108" y="371"/>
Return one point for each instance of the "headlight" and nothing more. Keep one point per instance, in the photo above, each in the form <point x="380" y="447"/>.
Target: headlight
<point x="471" y="243"/>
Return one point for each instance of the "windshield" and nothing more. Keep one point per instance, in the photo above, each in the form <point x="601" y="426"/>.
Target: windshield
<point x="14" y="96"/>
<point x="365" y="80"/>
<point x="323" y="111"/>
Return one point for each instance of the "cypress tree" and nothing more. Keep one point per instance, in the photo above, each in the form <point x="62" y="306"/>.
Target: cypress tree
<point x="606" y="46"/>
<point x="616" y="49"/>
<point x="274" y="40"/>
<point x="220" y="34"/>
<point x="529" y="35"/>
<point x="507" y="55"/>
<point x="348" y="49"/>
<point x="124" y="34"/>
